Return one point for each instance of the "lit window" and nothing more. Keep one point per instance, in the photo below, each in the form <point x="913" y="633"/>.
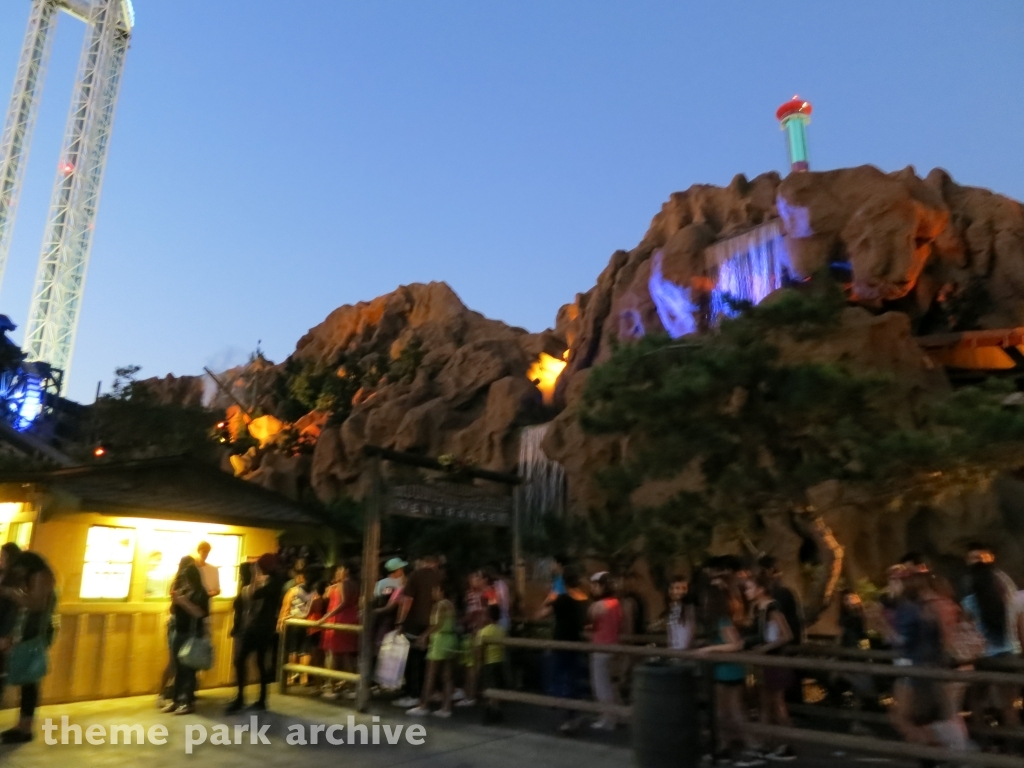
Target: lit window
<point x="170" y="547"/>
<point x="226" y="554"/>
<point x="21" y="534"/>
<point x="107" y="573"/>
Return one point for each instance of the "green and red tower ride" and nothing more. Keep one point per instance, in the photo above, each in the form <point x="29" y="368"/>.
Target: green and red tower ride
<point x="794" y="116"/>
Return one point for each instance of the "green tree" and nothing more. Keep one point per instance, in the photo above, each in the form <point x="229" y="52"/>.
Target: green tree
<point x="130" y="423"/>
<point x="762" y="427"/>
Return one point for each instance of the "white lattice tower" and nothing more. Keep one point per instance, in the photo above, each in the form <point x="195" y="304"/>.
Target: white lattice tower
<point x="60" y="278"/>
<point x="21" y="116"/>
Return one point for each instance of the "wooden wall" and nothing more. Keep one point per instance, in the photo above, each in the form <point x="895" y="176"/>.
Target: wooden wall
<point x="112" y="648"/>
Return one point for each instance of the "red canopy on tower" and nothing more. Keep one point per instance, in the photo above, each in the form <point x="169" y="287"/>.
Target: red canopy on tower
<point x="794" y="106"/>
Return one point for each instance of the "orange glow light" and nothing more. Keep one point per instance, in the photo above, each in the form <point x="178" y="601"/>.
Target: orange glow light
<point x="544" y="373"/>
<point x="99" y="452"/>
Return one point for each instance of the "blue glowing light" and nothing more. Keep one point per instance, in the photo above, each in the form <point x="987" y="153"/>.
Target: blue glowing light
<point x="23" y="395"/>
<point x="675" y="310"/>
<point x="761" y="266"/>
<point x="31" y="404"/>
<point x="749" y="266"/>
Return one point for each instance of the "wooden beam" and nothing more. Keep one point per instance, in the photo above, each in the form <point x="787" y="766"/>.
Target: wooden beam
<point x="415" y="460"/>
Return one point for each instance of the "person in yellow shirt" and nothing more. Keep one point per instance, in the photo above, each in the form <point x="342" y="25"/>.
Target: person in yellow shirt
<point x="491" y="657"/>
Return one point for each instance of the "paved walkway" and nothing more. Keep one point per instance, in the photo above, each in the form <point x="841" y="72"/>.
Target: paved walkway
<point x="461" y="742"/>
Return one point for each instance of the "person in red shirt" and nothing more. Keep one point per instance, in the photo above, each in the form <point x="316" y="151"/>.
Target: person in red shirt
<point x="606" y="626"/>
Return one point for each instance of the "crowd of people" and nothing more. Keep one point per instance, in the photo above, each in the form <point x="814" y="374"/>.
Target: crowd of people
<point x="726" y="605"/>
<point x="448" y="619"/>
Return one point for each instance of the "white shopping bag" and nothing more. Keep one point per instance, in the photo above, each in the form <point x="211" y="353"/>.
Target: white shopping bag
<point x="394" y="650"/>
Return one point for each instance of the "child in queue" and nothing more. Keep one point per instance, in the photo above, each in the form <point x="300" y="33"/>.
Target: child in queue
<point x="442" y="644"/>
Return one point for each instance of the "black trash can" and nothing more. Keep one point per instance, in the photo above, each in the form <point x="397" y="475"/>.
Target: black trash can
<point x="664" y="724"/>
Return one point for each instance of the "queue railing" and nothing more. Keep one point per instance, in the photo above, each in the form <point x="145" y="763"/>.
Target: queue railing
<point x="867" y="744"/>
<point x="284" y="668"/>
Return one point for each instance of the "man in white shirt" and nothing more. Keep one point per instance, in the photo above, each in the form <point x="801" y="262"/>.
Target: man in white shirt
<point x="209" y="573"/>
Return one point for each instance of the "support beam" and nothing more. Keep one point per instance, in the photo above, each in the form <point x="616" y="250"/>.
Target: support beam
<point x="21" y="115"/>
<point x="60" y="279"/>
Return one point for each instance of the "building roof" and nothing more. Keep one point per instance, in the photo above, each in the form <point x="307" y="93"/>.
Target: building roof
<point x="176" y="487"/>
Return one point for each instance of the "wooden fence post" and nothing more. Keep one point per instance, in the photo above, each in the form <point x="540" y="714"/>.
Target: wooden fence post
<point x="371" y="555"/>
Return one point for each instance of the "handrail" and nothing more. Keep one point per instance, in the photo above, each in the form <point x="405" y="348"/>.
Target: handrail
<point x="767" y="660"/>
<point x="323" y="625"/>
<point x="781" y="733"/>
<point x="284" y="668"/>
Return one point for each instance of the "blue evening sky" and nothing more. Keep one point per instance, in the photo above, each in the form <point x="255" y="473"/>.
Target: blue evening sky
<point x="274" y="160"/>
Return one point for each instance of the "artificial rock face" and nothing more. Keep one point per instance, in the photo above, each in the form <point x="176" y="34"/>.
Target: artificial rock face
<point x="908" y="242"/>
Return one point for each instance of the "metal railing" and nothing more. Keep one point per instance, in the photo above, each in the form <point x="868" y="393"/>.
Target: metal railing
<point x="784" y="733"/>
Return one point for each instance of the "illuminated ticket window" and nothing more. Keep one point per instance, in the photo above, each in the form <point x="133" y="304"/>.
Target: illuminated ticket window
<point x="107" y="573"/>
<point x="226" y="554"/>
<point x="21" y="534"/>
<point x="170" y="545"/>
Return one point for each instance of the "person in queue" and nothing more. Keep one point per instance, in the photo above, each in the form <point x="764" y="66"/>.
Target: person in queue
<point x="342" y="608"/>
<point x="210" y="574"/>
<point x="8" y="608"/>
<point x="414" y="612"/>
<point x="31" y="586"/>
<point x="993" y="607"/>
<point x="165" y="694"/>
<point x="570" y="614"/>
<point x="264" y="596"/>
<point x="606" y="621"/>
<point x="723" y="616"/>
<point x="190" y="605"/>
<point x="771" y="632"/>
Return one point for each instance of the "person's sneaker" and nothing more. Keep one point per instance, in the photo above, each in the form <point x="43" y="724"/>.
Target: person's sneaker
<point x="782" y="754"/>
<point x="236" y="705"/>
<point x="602" y="725"/>
<point x="406" y="701"/>
<point x="330" y="694"/>
<point x="185" y="709"/>
<point x="161" y="702"/>
<point x="169" y="707"/>
<point x="418" y="711"/>
<point x="442" y="713"/>
<point x="458" y="695"/>
<point x="349" y="693"/>
<point x="465" y="703"/>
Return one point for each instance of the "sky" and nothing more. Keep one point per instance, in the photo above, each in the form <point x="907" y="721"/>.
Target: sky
<point x="272" y="161"/>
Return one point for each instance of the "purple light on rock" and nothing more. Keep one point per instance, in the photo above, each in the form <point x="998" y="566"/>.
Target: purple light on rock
<point x="675" y="310"/>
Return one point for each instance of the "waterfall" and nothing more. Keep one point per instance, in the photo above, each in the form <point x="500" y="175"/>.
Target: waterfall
<point x="744" y="267"/>
<point x="542" y="491"/>
<point x="750" y="266"/>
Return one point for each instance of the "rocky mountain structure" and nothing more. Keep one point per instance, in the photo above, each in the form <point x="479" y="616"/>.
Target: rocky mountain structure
<point x="415" y="370"/>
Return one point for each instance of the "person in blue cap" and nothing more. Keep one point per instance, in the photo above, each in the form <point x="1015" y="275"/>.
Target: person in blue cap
<point x="395" y="579"/>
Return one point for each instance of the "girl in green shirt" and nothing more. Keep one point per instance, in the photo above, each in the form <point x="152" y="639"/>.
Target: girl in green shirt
<point x="442" y="646"/>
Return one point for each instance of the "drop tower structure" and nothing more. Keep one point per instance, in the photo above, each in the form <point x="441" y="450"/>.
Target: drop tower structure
<point x="793" y="117"/>
<point x="60" y="277"/>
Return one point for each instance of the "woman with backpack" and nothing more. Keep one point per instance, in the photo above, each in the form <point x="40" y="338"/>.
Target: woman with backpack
<point x="32" y="588"/>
